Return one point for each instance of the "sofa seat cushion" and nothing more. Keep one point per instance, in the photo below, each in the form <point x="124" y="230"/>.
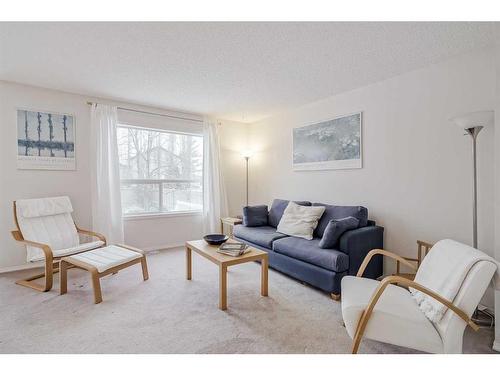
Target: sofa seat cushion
<point x="396" y="318"/>
<point x="262" y="236"/>
<point x="309" y="251"/>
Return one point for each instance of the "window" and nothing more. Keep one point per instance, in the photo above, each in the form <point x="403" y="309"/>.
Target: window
<point x="160" y="171"/>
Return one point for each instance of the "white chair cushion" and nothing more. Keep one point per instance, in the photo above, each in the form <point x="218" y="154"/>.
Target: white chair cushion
<point x="47" y="221"/>
<point x="107" y="257"/>
<point x="396" y="318"/>
<point x="57" y="231"/>
<point x="69" y="251"/>
<point x="38" y="207"/>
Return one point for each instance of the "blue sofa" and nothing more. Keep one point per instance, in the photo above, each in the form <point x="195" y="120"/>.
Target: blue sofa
<point x="304" y="260"/>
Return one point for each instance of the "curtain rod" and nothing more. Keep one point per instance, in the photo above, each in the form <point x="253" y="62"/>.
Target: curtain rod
<point x="153" y="113"/>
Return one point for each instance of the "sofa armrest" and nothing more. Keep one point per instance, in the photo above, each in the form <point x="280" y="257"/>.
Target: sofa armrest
<point x="357" y="244"/>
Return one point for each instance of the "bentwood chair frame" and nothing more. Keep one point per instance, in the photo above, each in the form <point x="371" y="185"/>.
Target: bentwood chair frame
<point x="401" y="281"/>
<point x="52" y="263"/>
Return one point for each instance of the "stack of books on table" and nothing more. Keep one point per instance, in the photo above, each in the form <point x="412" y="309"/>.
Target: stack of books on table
<point x="233" y="249"/>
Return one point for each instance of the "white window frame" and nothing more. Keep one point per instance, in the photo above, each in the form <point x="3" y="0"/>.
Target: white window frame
<point x="160" y="182"/>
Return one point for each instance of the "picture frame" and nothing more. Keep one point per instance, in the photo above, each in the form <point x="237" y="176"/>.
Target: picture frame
<point x="46" y="140"/>
<point x="335" y="143"/>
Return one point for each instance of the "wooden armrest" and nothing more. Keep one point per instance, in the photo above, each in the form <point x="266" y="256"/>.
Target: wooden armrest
<point x="386" y="253"/>
<point x="93" y="234"/>
<point x="365" y="316"/>
<point x="424" y="244"/>
<point x="46" y="248"/>
<point x="412" y="284"/>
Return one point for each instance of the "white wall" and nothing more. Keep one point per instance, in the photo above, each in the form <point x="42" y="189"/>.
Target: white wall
<point x="16" y="184"/>
<point x="416" y="178"/>
<point x="234" y="141"/>
<point x="496" y="345"/>
<point x="163" y="232"/>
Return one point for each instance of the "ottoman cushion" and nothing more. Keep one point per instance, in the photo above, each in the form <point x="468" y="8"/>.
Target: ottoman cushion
<point x="106" y="257"/>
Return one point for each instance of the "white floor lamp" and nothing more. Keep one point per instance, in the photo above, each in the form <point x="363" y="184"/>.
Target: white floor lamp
<point x="472" y="123"/>
<point x="247" y="154"/>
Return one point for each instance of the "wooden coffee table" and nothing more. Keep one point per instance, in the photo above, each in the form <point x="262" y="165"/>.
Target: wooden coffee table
<point x="224" y="261"/>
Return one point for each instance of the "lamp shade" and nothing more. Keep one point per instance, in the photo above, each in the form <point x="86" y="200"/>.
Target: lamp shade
<point x="473" y="119"/>
<point x="247" y="154"/>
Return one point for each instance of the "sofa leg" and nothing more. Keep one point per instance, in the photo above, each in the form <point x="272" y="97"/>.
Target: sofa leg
<point x="335" y="297"/>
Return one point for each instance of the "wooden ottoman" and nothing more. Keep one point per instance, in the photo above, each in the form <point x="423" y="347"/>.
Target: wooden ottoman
<point x="101" y="262"/>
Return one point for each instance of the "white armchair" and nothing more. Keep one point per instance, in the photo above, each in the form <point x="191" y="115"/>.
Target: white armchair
<point x="47" y="229"/>
<point x="386" y="312"/>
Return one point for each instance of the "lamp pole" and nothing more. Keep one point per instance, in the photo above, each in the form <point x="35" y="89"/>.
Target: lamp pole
<point x="247" y="158"/>
<point x="473" y="123"/>
<point x="473" y="132"/>
<point x="486" y="319"/>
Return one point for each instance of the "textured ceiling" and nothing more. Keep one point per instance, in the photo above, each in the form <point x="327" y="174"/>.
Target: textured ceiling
<point x="238" y="71"/>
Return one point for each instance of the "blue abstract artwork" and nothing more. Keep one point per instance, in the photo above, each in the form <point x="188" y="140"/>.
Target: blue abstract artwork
<point x="45" y="140"/>
<point x="331" y="144"/>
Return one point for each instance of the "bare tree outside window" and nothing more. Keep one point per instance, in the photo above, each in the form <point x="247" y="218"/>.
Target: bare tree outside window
<point x="160" y="171"/>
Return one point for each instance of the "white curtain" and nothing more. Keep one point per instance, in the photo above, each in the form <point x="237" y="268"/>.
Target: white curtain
<point x="214" y="193"/>
<point x="105" y="173"/>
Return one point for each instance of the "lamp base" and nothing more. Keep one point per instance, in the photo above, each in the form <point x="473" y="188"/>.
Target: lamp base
<point x="483" y="318"/>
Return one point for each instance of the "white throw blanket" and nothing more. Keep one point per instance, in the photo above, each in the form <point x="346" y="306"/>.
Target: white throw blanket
<point x="443" y="271"/>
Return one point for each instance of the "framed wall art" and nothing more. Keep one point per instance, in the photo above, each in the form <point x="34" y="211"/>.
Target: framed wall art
<point x="330" y="144"/>
<point x="45" y="140"/>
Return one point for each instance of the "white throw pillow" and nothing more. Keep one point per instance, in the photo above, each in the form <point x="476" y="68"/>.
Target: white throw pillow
<point x="300" y="221"/>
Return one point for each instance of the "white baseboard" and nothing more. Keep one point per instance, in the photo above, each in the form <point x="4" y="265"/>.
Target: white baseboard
<point x="22" y="267"/>
<point x="29" y="266"/>
<point x="496" y="345"/>
<point x="161" y="247"/>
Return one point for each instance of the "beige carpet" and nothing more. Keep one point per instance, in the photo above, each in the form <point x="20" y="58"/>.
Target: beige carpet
<point x="168" y="314"/>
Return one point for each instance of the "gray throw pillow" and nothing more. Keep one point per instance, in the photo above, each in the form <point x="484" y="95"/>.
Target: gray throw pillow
<point x="340" y="212"/>
<point x="255" y="216"/>
<point x="335" y="229"/>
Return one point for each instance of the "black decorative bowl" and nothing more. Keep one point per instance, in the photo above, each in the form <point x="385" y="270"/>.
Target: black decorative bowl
<point x="216" y="239"/>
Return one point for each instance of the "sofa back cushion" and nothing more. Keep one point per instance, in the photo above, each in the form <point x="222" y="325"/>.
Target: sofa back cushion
<point x="300" y="221"/>
<point x="340" y="212"/>
<point x="277" y="209"/>
<point x="255" y="216"/>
